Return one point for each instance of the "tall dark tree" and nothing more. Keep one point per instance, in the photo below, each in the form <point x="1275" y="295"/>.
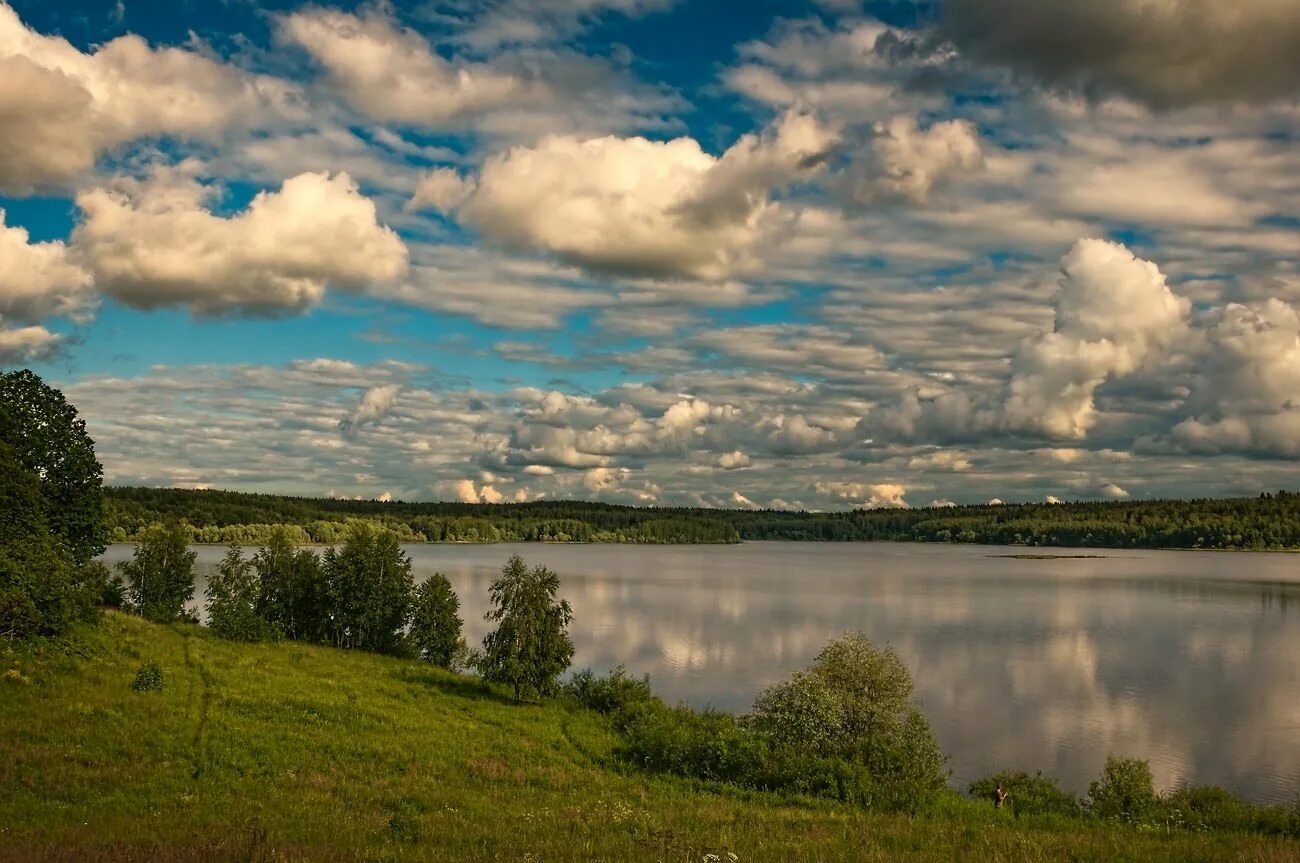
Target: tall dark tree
<point x="530" y="648"/>
<point x="35" y="582"/>
<point x="50" y="440"/>
<point x="369" y="588"/>
<point x="160" y="577"/>
<point x="435" y="623"/>
<point x="292" y="597"/>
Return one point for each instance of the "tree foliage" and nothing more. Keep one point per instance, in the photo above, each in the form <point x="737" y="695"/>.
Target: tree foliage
<point x="51" y="523"/>
<point x="160" y="575"/>
<point x="854" y="703"/>
<point x="435" y="622"/>
<point x="42" y="591"/>
<point x="367" y="590"/>
<point x="1125" y="790"/>
<point x="530" y="647"/>
<point x="233" y="596"/>
<point x="292" y="595"/>
<point x="1268" y="521"/>
<point x="50" y="440"/>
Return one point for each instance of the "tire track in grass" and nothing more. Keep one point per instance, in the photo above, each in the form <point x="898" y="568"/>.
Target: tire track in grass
<point x="199" y="746"/>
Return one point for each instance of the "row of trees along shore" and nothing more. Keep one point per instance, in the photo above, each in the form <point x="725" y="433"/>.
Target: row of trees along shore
<point x="846" y="727"/>
<point x="1269" y="521"/>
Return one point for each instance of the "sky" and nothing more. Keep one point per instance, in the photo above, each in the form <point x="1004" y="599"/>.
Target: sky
<point x="816" y="255"/>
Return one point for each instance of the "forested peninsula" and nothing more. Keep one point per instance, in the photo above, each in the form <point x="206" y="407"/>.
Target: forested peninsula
<point x="1269" y="521"/>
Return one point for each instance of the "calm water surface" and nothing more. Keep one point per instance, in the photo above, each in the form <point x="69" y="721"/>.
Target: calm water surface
<point x="1188" y="659"/>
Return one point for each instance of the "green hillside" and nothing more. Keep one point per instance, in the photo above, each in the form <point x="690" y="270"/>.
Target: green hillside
<point x="282" y="752"/>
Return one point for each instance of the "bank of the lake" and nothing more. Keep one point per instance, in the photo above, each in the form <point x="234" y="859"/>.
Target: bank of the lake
<point x="1191" y="661"/>
<point x="293" y="752"/>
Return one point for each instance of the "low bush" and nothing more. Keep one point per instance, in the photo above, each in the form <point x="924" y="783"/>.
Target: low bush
<point x="702" y="745"/>
<point x="1124" y="791"/>
<point x="610" y="694"/>
<point x="1029" y="794"/>
<point x="148" y="678"/>
<point x="1208" y="807"/>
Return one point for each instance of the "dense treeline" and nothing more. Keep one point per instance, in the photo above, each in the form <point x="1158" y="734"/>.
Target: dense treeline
<point x="1270" y="521"/>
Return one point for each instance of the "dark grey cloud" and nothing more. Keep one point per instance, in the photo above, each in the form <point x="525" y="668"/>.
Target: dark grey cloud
<point x="1165" y="53"/>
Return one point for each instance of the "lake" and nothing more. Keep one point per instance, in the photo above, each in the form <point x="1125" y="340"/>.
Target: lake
<point x="1188" y="659"/>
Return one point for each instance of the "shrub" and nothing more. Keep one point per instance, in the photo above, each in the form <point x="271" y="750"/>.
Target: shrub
<point x="906" y="764"/>
<point x="804" y="712"/>
<point x="37" y="592"/>
<point x="873" y="684"/>
<point x="148" y="678"/>
<point x="704" y="745"/>
<point x="716" y="747"/>
<point x="1029" y="794"/>
<point x="612" y="694"/>
<point x="113" y="591"/>
<point x="1125" y="791"/>
<point x="1206" y="807"/>
<point x="854" y="704"/>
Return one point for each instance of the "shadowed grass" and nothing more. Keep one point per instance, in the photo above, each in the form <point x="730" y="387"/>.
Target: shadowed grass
<point x="291" y="752"/>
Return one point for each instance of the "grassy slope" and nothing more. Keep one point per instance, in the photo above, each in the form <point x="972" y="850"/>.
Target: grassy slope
<point x="287" y="752"/>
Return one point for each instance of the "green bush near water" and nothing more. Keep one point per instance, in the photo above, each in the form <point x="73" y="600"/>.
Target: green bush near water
<point x="844" y="729"/>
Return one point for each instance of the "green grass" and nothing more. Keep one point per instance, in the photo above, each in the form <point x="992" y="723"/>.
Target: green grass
<point x="289" y="752"/>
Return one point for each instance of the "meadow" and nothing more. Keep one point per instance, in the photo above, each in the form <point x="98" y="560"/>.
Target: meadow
<point x="287" y="751"/>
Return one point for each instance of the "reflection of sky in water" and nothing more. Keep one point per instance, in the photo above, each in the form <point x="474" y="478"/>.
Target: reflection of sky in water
<point x="1189" y="659"/>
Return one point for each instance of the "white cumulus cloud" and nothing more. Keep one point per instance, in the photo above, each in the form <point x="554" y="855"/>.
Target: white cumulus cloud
<point x="157" y="243"/>
<point x="646" y="208"/>
<point x="23" y="344"/>
<point x="39" y="280"/>
<point x="1246" y="392"/>
<point x="61" y="108"/>
<point x="1114" y="312"/>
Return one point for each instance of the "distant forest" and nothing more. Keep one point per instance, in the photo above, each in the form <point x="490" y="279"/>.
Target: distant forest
<point x="1270" y="521"/>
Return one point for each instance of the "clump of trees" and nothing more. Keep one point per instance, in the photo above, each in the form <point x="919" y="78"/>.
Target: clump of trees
<point x="360" y="595"/>
<point x="51" y="519"/>
<point x="356" y="596"/>
<point x="844" y="728"/>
